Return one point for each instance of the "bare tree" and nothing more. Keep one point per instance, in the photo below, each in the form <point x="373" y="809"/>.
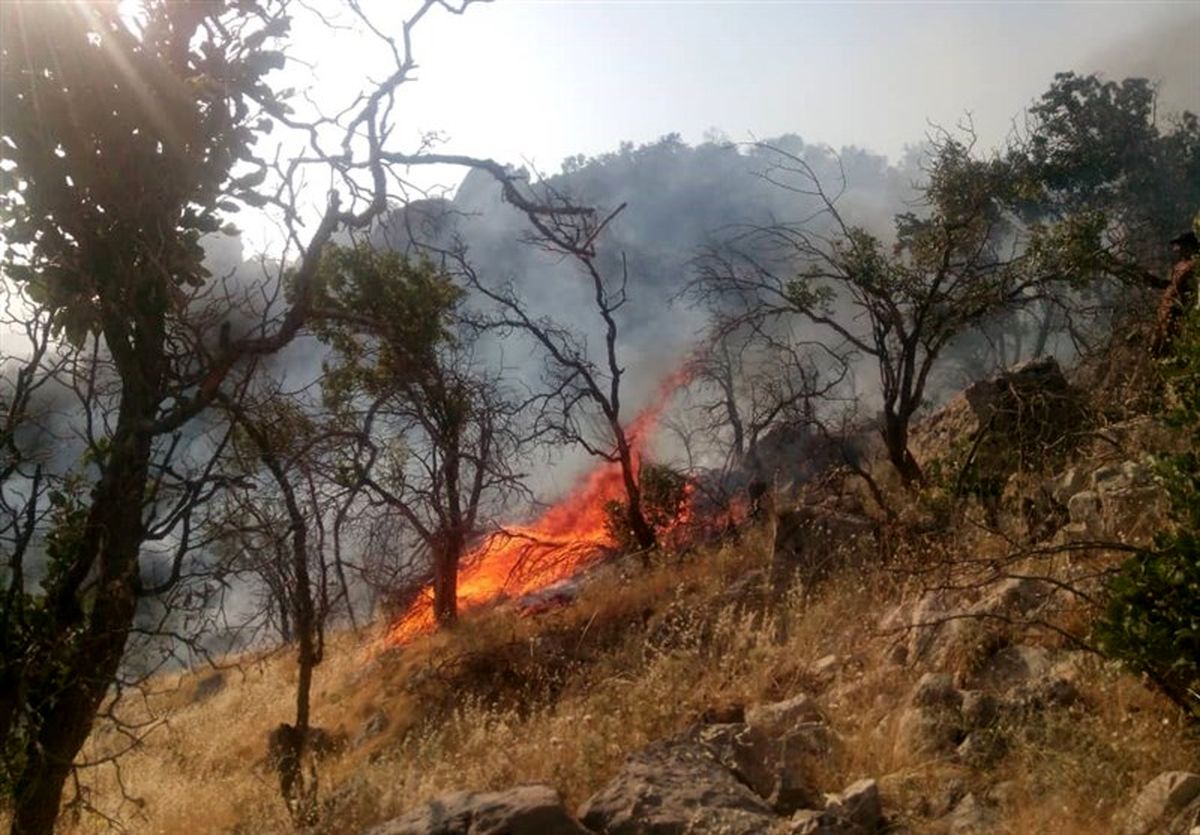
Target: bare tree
<point x="284" y="441"/>
<point x="578" y="386"/>
<point x="747" y="381"/>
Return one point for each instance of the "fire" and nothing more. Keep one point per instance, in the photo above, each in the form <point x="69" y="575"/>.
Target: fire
<point x="566" y="538"/>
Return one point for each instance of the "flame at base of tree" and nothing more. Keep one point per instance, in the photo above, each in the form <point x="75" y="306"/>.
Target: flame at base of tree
<point x="567" y="538"/>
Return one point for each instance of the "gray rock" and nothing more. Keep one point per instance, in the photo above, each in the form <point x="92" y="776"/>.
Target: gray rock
<point x="1013" y="596"/>
<point x="777" y="770"/>
<point x="936" y="690"/>
<point x="979" y="709"/>
<point x="927" y="733"/>
<point x="778" y="718"/>
<point x="749" y="754"/>
<point x="1043" y="692"/>
<point x="673" y="787"/>
<point x="523" y="810"/>
<point x="825" y="666"/>
<point x="931" y="724"/>
<point x="928" y="625"/>
<point x="1084" y="511"/>
<point x="1187" y="822"/>
<point x="1067" y="484"/>
<point x="971" y="817"/>
<point x="859" y="803"/>
<point x="1162" y="799"/>
<point x="981" y="749"/>
<point x="812" y="822"/>
<point x="1013" y="666"/>
<point x="813" y="739"/>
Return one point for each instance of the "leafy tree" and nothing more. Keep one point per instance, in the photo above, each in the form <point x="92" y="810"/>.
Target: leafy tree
<point x="1099" y="146"/>
<point x="956" y="262"/>
<point x="437" y="438"/>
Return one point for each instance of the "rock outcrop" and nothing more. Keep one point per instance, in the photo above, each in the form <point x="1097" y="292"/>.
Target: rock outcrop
<point x="1170" y="803"/>
<point x="673" y="787"/>
<point x="523" y="810"/>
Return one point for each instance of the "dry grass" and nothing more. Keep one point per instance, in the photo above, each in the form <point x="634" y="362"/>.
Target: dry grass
<point x="562" y="698"/>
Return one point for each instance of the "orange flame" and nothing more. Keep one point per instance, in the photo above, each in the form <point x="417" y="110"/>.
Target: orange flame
<point x="565" y="539"/>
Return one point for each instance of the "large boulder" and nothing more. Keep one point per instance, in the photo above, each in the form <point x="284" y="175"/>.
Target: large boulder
<point x="778" y="768"/>
<point x="746" y="752"/>
<point x="1011" y="667"/>
<point x="1163" y="799"/>
<point x="523" y="810"/>
<point x="937" y="627"/>
<point x="673" y="787"/>
<point x="1023" y="412"/>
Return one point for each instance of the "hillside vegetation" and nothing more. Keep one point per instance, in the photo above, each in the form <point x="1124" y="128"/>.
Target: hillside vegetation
<point x="564" y="696"/>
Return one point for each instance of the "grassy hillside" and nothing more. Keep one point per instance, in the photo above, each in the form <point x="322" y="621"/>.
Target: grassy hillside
<point x="564" y="696"/>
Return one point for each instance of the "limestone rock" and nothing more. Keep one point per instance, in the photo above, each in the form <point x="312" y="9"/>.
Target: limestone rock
<point x="858" y="803"/>
<point x="971" y="817"/>
<point x="981" y="749"/>
<point x="673" y="787"/>
<point x="777" y="770"/>
<point x="826" y="666"/>
<point x="1049" y="690"/>
<point x="1162" y="799"/>
<point x="750" y="755"/>
<point x="779" y="718"/>
<point x="1013" y="666"/>
<point x="813" y="822"/>
<point x="1012" y="596"/>
<point x="931" y="724"/>
<point x="979" y="709"/>
<point x="936" y="690"/>
<point x="523" y="810"/>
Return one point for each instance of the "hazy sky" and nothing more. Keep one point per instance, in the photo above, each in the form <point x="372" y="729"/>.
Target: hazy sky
<point x="543" y="79"/>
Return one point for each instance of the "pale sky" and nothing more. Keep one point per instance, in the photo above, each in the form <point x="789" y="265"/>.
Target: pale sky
<point x="536" y="81"/>
<point x="544" y="79"/>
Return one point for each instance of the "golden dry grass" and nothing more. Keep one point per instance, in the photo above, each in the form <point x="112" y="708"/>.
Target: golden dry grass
<point x="562" y="699"/>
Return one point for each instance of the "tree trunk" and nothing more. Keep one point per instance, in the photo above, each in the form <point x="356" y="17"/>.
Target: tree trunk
<point x="895" y="437"/>
<point x="86" y="647"/>
<point x="643" y="534"/>
<point x="447" y="552"/>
